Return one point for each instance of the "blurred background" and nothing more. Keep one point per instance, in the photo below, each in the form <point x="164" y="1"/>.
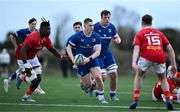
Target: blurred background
<point x="126" y="16"/>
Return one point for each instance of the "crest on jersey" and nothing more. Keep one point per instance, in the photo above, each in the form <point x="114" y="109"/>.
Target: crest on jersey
<point x="93" y="40"/>
<point x="82" y="40"/>
<point x="109" y="30"/>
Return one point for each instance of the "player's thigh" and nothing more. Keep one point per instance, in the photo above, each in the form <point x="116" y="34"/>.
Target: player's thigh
<point x="159" y="68"/>
<point x="144" y="64"/>
<point x="95" y="71"/>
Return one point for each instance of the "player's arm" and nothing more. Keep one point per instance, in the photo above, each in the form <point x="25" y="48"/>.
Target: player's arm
<point x="23" y="52"/>
<point x="135" y="57"/>
<point x="96" y="53"/>
<point x="171" y="55"/>
<point x="55" y="52"/>
<point x="117" y="39"/>
<point x="13" y="40"/>
<point x="70" y="54"/>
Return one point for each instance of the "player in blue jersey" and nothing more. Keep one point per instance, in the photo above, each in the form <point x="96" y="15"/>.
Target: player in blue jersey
<point x="107" y="32"/>
<point x="66" y="64"/>
<point x="17" y="38"/>
<point x="88" y="43"/>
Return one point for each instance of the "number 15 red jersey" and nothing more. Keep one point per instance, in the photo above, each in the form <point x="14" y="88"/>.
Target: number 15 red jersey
<point x="152" y="44"/>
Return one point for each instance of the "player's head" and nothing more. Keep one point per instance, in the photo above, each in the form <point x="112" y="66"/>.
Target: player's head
<point x="88" y="25"/>
<point x="147" y="20"/>
<point x="77" y="26"/>
<point x="32" y="24"/>
<point x="45" y="29"/>
<point x="105" y="17"/>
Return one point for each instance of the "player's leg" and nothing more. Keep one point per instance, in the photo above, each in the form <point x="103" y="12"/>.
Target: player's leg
<point x="35" y="80"/>
<point x="161" y="72"/>
<point x="112" y="73"/>
<point x="96" y="73"/>
<point x="38" y="69"/>
<point x="11" y="78"/>
<point x="143" y="65"/>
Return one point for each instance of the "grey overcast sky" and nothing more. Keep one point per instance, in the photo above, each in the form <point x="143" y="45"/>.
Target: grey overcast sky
<point x="14" y="14"/>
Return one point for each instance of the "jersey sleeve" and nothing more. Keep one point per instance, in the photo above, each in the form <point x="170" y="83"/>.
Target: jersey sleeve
<point x="98" y="39"/>
<point x="164" y="40"/>
<point x="114" y="31"/>
<point x="19" y="33"/>
<point x="73" y="40"/>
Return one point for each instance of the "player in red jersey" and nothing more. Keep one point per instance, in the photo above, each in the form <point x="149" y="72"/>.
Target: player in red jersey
<point x="174" y="84"/>
<point x="28" y="50"/>
<point x="149" y="50"/>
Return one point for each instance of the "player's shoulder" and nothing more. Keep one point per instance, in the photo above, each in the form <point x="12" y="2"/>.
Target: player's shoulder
<point x="23" y="30"/>
<point x="111" y="25"/>
<point x="97" y="24"/>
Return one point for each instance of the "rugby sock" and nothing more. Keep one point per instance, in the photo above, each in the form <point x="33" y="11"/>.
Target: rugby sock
<point x="167" y="95"/>
<point x="29" y="91"/>
<point x="112" y="93"/>
<point x="136" y="94"/>
<point x="100" y="95"/>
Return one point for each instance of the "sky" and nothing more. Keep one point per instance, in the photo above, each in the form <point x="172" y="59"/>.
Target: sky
<point x="14" y="14"/>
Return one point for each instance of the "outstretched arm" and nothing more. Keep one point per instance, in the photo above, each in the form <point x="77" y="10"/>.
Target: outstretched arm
<point x="55" y="52"/>
<point x="13" y="40"/>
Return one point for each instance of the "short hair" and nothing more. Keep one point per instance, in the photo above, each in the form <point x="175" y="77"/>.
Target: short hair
<point x="87" y="20"/>
<point x="77" y="23"/>
<point x="32" y="20"/>
<point x="44" y="24"/>
<point x="105" y="13"/>
<point x="147" y="19"/>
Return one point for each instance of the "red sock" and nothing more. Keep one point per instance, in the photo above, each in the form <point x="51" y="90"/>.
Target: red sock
<point x="175" y="97"/>
<point x="136" y="94"/>
<point x="167" y="95"/>
<point x="29" y="91"/>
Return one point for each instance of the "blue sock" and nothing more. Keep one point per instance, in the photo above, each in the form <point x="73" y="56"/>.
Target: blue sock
<point x="13" y="76"/>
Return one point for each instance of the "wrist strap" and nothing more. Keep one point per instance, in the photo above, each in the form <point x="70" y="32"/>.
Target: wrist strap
<point x="90" y="58"/>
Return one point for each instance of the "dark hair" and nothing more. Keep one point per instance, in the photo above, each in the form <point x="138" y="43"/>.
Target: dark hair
<point x="105" y="13"/>
<point x="77" y="23"/>
<point x="44" y="24"/>
<point x="147" y="19"/>
<point x="87" y="20"/>
<point x="32" y="20"/>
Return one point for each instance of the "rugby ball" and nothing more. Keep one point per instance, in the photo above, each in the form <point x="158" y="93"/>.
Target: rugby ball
<point x="79" y="59"/>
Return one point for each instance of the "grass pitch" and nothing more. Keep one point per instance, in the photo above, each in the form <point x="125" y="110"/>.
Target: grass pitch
<point x="65" y="95"/>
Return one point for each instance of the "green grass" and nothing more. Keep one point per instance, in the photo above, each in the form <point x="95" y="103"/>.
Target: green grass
<point x="65" y="95"/>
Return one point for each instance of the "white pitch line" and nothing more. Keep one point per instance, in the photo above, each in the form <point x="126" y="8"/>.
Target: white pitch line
<point x="85" y="106"/>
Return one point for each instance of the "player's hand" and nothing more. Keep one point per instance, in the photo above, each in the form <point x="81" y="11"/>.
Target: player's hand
<point x="86" y="60"/>
<point x="174" y="69"/>
<point x="134" y="67"/>
<point x="74" y="66"/>
<point x="117" y="40"/>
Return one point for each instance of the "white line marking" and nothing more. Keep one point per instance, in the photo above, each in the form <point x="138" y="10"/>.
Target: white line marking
<point x="85" y="106"/>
